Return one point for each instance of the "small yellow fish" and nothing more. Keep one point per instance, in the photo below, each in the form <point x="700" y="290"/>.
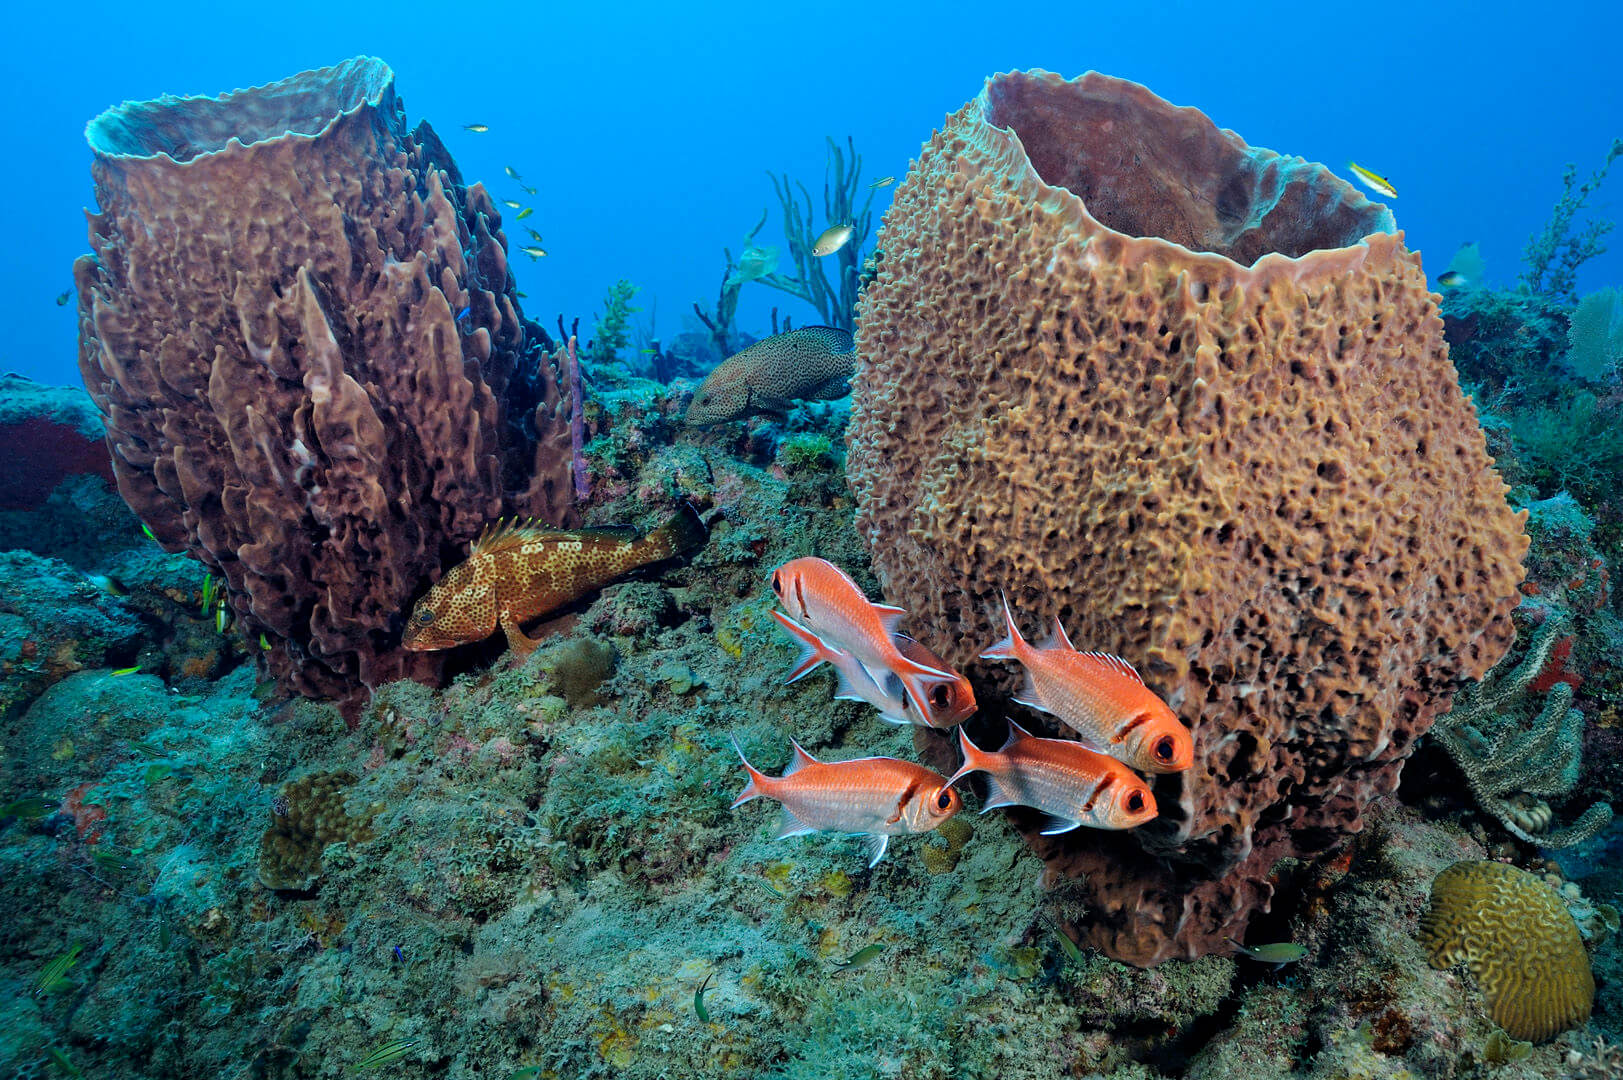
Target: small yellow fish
<point x="534" y="251"/>
<point x="513" y="204"/>
<point x="54" y="975"/>
<point x="391" y="1051"/>
<point x="521" y="295"/>
<point x="510" y="171"/>
<point x="833" y="239"/>
<point x="883" y="181"/>
<point x="1279" y="952"/>
<point x="861" y="958"/>
<point x="477" y="129"/>
<point x="527" y="189"/>
<point x="524" y="213"/>
<point x="533" y="234"/>
<point x="1374" y="181"/>
<point x="1451" y="279"/>
<point x="127" y="671"/>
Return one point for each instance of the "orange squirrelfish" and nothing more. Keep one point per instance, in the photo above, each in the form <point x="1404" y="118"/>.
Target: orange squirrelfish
<point x="517" y="572"/>
<point x="878" y="797"/>
<point x="951" y="701"/>
<point x="822" y="598"/>
<point x="1070" y="784"/>
<point x="1100" y="697"/>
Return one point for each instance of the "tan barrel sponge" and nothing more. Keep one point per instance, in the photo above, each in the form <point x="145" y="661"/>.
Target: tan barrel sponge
<point x="1192" y="398"/>
<point x="302" y="333"/>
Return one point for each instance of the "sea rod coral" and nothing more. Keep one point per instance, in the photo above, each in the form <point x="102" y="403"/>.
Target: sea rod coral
<point x="1191" y="398"/>
<point x="302" y="333"/>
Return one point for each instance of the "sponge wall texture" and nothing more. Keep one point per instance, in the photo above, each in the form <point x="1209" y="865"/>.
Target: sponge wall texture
<point x="301" y="331"/>
<point x="1192" y="398"/>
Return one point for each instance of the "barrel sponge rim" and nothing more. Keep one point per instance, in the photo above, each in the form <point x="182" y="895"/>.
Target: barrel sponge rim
<point x="182" y="130"/>
<point x="1370" y="233"/>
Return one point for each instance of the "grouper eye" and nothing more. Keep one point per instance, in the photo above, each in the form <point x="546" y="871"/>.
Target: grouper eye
<point x="944" y="800"/>
<point x="425" y="616"/>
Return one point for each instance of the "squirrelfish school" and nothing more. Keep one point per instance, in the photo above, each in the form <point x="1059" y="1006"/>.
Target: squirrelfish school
<point x="1069" y="784"/>
<point x="1100" y="697"/>
<point x="876" y="797"/>
<point x="950" y="701"/>
<point x="823" y="599"/>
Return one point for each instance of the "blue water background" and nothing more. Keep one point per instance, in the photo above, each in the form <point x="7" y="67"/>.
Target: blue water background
<point x="648" y="128"/>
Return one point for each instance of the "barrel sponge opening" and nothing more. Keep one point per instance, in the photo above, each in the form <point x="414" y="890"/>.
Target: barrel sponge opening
<point x="182" y="128"/>
<point x="1146" y="168"/>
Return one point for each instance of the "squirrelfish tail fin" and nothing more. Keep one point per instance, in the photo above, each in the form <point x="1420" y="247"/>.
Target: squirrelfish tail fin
<point x="758" y="781"/>
<point x="1012" y="644"/>
<point x="975" y="759"/>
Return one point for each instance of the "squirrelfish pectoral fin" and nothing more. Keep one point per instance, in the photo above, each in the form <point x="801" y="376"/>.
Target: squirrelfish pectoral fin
<point x="1053" y="825"/>
<point x="873" y="846"/>
<point x="790" y="825"/>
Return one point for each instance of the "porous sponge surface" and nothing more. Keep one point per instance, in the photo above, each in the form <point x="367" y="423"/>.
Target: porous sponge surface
<point x="1519" y="941"/>
<point x="1241" y="460"/>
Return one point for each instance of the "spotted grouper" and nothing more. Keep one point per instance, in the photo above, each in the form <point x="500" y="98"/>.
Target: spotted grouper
<point x="813" y="363"/>
<point x="517" y="572"/>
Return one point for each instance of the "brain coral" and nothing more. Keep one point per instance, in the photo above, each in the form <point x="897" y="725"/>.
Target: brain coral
<point x="1519" y="941"/>
<point x="301" y="331"/>
<point x="1192" y="398"/>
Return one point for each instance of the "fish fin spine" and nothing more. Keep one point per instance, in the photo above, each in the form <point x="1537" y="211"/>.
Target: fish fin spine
<point x="1053" y="825"/>
<point x="1117" y="664"/>
<point x="1016" y="734"/>
<point x="801" y="759"/>
<point x="813" y="649"/>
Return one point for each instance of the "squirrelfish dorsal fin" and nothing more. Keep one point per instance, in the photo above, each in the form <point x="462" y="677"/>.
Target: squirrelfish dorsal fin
<point x="801" y="760"/>
<point x="505" y="533"/>
<point x="1116" y="664"/>
<point x="1059" y="637"/>
<point x="1016" y="734"/>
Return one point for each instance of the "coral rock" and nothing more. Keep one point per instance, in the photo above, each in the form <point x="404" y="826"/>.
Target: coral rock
<point x="50" y="433"/>
<point x="1192" y="398"/>
<point x="301" y="331"/>
<point x="307" y="816"/>
<point x="1516" y="936"/>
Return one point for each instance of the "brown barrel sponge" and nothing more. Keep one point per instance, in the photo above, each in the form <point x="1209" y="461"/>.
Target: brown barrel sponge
<point x="1191" y="398"/>
<point x="1519" y="941"/>
<point x="303" y="336"/>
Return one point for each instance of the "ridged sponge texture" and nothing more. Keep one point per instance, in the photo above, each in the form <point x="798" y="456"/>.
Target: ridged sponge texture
<point x="1520" y="943"/>
<point x="1191" y="398"/>
<point x="301" y="331"/>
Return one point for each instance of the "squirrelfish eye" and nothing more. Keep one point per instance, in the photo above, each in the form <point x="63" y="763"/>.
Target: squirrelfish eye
<point x="944" y="800"/>
<point x="425" y="616"/>
<point x="777" y="583"/>
<point x="1164" y="750"/>
<point x="1135" y="802"/>
<point x="940" y="696"/>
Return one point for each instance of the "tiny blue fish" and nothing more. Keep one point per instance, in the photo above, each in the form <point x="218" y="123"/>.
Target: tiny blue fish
<point x="464" y="313"/>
